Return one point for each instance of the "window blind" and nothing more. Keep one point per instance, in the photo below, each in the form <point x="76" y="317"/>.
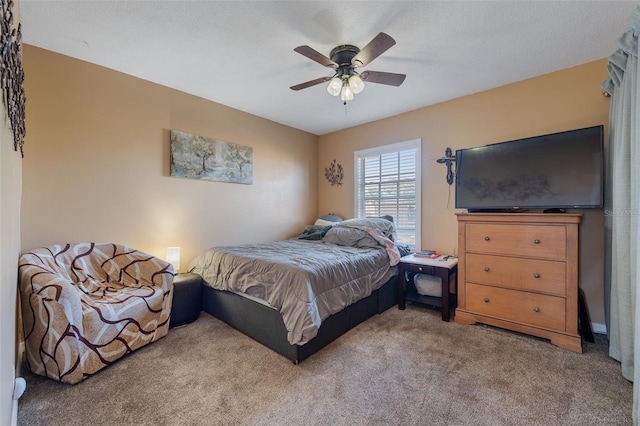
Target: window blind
<point x="388" y="183"/>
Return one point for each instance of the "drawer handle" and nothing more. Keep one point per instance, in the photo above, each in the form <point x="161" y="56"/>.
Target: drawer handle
<point x="486" y="269"/>
<point x="487" y="238"/>
<point x="536" y="275"/>
<point x="536" y="241"/>
<point x="486" y="300"/>
<point x="536" y="309"/>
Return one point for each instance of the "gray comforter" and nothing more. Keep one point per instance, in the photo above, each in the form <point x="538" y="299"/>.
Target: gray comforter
<point x="305" y="281"/>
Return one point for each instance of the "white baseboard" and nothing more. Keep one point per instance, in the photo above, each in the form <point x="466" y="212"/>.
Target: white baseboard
<point x="599" y="328"/>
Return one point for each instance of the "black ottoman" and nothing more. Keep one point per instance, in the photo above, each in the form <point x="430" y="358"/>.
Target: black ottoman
<point x="187" y="299"/>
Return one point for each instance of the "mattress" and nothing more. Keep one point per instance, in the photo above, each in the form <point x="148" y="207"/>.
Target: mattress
<point x="306" y="281"/>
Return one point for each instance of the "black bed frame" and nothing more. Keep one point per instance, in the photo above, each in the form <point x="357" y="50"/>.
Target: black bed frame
<point x="265" y="325"/>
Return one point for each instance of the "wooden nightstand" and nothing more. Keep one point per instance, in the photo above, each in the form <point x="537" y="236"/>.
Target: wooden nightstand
<point x="445" y="269"/>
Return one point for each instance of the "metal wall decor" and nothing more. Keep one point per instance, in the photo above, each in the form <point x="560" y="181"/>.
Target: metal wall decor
<point x="12" y="74"/>
<point x="448" y="159"/>
<point x="334" y="173"/>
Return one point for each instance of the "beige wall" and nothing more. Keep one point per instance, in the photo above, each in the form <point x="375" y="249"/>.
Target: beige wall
<point x="563" y="100"/>
<point x="96" y="165"/>
<point x="10" y="192"/>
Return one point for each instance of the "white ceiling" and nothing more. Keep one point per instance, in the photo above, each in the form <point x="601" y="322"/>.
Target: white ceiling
<point x="240" y="53"/>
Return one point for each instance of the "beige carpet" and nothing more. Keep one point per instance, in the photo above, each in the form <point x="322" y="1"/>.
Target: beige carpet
<point x="398" y="368"/>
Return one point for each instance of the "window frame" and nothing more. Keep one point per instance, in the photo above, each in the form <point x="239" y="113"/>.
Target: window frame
<point x="413" y="144"/>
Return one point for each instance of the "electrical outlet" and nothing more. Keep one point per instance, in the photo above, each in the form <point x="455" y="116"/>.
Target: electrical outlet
<point x="454" y="251"/>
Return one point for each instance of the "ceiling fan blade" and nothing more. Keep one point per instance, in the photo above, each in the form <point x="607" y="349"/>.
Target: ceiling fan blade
<point x="389" y="78"/>
<point x="314" y="55"/>
<point x="376" y="47"/>
<point x="310" y="83"/>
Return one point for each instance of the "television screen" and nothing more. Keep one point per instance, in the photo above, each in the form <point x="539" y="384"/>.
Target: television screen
<point x="559" y="170"/>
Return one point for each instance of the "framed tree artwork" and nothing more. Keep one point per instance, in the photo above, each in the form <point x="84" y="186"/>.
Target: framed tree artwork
<point x="200" y="157"/>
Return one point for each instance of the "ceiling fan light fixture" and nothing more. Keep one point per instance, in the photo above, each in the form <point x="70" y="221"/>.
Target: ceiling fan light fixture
<point x="334" y="87"/>
<point x="346" y="94"/>
<point x="343" y="60"/>
<point x="356" y="84"/>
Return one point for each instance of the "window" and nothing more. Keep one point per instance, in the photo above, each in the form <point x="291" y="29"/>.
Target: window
<point x="388" y="183"/>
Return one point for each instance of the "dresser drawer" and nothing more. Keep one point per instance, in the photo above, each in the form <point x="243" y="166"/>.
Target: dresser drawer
<point x="543" y="241"/>
<point x="528" y="308"/>
<point x="546" y="276"/>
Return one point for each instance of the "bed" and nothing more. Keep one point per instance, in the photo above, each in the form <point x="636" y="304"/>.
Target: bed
<point x="296" y="296"/>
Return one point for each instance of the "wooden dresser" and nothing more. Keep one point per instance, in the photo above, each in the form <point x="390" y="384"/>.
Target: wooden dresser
<point x="520" y="271"/>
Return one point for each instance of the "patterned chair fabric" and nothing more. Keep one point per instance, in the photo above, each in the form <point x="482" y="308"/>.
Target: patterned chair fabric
<point x="86" y="305"/>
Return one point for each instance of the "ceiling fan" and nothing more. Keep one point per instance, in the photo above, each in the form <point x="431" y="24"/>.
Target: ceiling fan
<point x="344" y="60"/>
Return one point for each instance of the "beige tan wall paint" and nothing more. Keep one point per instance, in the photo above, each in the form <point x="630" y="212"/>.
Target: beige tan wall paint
<point x="96" y="166"/>
<point x="562" y="100"/>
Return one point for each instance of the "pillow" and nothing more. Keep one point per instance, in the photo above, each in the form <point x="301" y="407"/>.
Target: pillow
<point x="403" y="248"/>
<point x="428" y="285"/>
<point x="322" y="222"/>
<point x="385" y="227"/>
<point x="387" y="217"/>
<point x="313" y="232"/>
<point x="351" y="237"/>
<point x="331" y="217"/>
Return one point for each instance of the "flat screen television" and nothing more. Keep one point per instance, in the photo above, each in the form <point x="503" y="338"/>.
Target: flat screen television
<point x="554" y="171"/>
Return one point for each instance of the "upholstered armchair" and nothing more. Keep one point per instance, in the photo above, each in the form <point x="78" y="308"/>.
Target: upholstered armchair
<point x="86" y="305"/>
